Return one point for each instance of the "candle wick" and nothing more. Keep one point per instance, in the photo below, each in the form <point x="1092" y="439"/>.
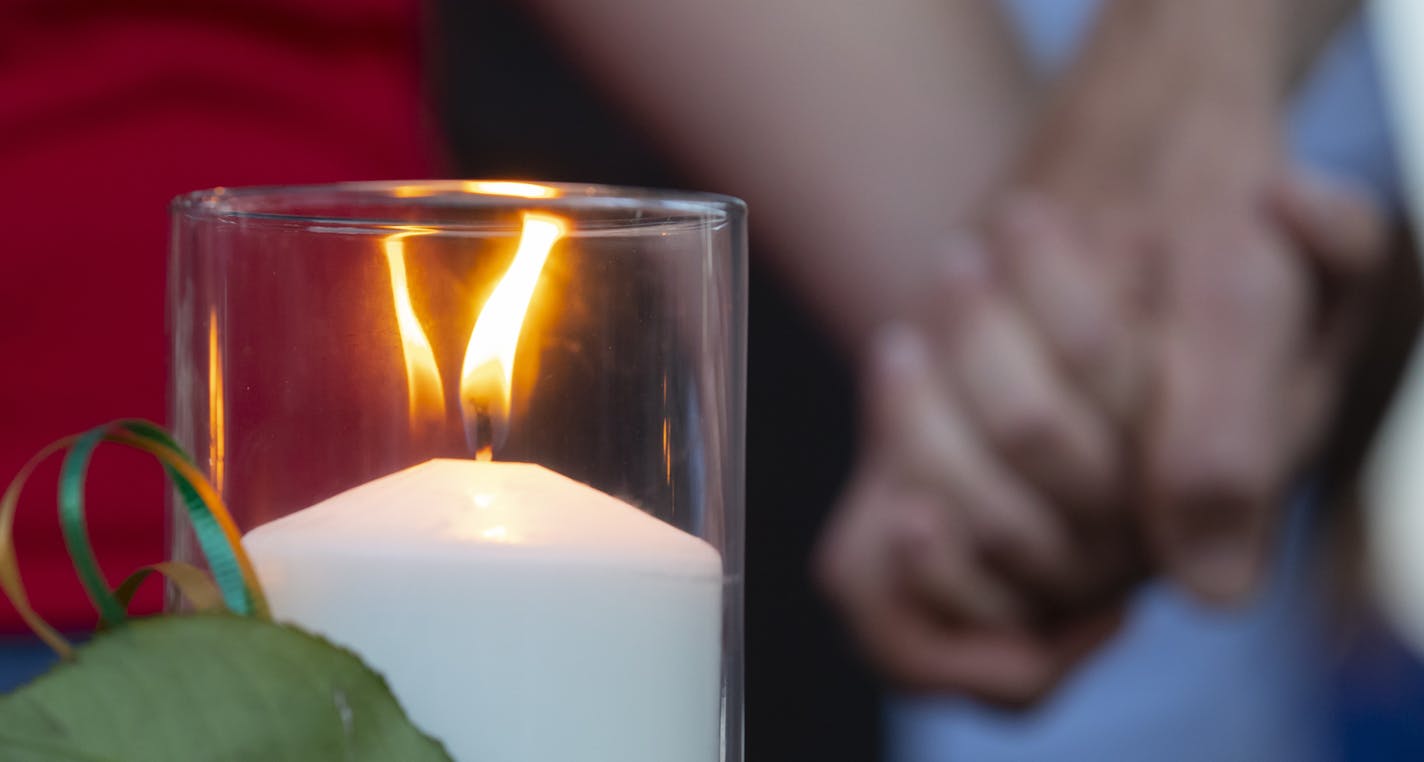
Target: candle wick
<point x="480" y="431"/>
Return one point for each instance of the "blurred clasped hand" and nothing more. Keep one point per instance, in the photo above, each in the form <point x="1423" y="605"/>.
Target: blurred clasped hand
<point x="1080" y="406"/>
<point x="1116" y="374"/>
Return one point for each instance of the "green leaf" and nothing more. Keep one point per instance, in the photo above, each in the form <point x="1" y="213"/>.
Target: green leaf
<point x="209" y="687"/>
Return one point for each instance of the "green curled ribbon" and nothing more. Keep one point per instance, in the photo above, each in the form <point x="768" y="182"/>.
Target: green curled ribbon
<point x="233" y="584"/>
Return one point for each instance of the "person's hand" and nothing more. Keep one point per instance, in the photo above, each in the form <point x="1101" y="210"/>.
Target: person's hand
<point x="950" y="565"/>
<point x="927" y="551"/>
<point x="1129" y="387"/>
<point x="1163" y="148"/>
<point x="1255" y="323"/>
<point x="1199" y="245"/>
<point x="973" y="551"/>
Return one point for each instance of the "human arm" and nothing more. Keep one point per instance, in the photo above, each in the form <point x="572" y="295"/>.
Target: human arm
<point x="904" y="556"/>
<point x="859" y="133"/>
<point x="1299" y="368"/>
<point x="1161" y="141"/>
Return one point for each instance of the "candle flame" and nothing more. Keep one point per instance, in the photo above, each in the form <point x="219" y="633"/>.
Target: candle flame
<point x="217" y="434"/>
<point x="487" y="376"/>
<point x="511" y="188"/>
<point x="425" y="393"/>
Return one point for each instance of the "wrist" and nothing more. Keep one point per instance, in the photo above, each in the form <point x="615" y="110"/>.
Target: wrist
<point x="1210" y="52"/>
<point x="1152" y="66"/>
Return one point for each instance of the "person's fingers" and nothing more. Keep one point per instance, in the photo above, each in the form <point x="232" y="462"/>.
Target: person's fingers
<point x="1340" y="228"/>
<point x="919" y="654"/>
<point x="925" y="438"/>
<point x="904" y="625"/>
<point x="854" y="552"/>
<point x="918" y="648"/>
<point x="938" y="564"/>
<point x="1074" y="304"/>
<point x="879" y="524"/>
<point x="1074" y="639"/>
<point x="1015" y="394"/>
<point x="1113" y="560"/>
<point x="1009" y="667"/>
<point x="1344" y="235"/>
<point x="1084" y="304"/>
<point x="914" y="645"/>
<point x="1230" y="333"/>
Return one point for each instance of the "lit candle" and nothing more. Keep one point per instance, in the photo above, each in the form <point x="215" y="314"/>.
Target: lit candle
<point x="518" y="615"/>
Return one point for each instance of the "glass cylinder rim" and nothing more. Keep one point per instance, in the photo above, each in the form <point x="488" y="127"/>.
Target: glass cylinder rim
<point x="258" y="202"/>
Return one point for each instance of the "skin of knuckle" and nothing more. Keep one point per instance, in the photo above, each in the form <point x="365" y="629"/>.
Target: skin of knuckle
<point x="1085" y="345"/>
<point x="1216" y="475"/>
<point x="1264" y="285"/>
<point x="1354" y="231"/>
<point x="1027" y="426"/>
<point x="1012" y="221"/>
<point x="996" y="534"/>
<point x="1018" y="692"/>
<point x="965" y="319"/>
<point x="1030" y="549"/>
<point x="1233" y="273"/>
<point x="1243" y="301"/>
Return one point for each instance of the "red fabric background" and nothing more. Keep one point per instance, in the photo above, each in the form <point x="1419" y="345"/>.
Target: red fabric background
<point x="108" y="110"/>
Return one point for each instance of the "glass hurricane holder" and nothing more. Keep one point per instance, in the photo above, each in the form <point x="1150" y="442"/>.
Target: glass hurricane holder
<point x="490" y="436"/>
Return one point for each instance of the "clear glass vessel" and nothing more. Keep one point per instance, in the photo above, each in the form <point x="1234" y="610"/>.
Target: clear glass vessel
<point x="361" y="368"/>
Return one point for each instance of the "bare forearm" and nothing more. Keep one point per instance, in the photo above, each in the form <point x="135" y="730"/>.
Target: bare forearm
<point x="1155" y="72"/>
<point x="1258" y="42"/>
<point x="860" y="133"/>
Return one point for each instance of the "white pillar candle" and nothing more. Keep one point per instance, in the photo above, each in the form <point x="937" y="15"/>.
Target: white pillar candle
<point x="518" y="615"/>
